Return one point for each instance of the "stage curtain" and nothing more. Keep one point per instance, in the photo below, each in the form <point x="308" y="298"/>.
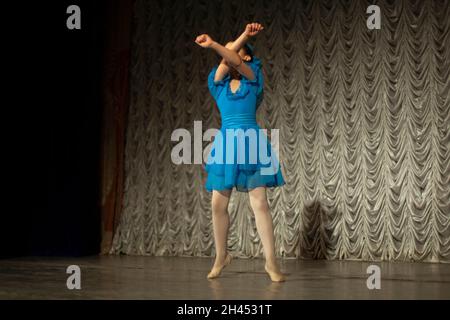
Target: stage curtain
<point x="116" y="102"/>
<point x="363" y="118"/>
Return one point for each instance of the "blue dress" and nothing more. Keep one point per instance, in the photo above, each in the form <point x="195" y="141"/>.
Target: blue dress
<point x="241" y="155"/>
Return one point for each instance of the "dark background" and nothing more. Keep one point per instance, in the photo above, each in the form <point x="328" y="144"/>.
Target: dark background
<point x="52" y="204"/>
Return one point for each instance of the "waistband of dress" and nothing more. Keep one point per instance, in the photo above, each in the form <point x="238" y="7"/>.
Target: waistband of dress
<point x="239" y="120"/>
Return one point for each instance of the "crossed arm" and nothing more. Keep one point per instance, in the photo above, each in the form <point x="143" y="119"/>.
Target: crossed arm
<point x="224" y="68"/>
<point x="229" y="53"/>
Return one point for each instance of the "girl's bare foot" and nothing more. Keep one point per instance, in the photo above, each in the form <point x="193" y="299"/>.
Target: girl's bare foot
<point x="218" y="267"/>
<point x="274" y="272"/>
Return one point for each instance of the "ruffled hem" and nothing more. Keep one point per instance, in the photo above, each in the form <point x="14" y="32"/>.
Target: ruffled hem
<point x="247" y="174"/>
<point x="243" y="180"/>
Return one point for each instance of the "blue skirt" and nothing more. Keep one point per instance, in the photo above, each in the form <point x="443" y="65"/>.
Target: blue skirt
<point x="242" y="159"/>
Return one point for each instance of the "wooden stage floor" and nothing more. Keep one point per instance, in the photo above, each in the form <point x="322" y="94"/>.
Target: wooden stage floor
<point x="139" y="277"/>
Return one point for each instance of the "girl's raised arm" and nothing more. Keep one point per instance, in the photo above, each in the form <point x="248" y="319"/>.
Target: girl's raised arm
<point x="235" y="45"/>
<point x="251" y="30"/>
<point x="231" y="57"/>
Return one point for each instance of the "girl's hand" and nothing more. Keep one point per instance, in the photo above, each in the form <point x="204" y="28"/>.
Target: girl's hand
<point x="252" y="29"/>
<point x="204" y="40"/>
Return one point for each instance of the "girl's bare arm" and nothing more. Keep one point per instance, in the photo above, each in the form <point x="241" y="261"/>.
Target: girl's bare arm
<point x="251" y="30"/>
<point x="236" y="45"/>
<point x="237" y="64"/>
<point x="229" y="52"/>
<point x="231" y="57"/>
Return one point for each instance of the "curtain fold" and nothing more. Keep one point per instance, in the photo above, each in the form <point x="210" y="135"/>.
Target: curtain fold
<point x="116" y="103"/>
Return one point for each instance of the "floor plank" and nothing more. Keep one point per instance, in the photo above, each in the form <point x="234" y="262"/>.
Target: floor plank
<point x="140" y="277"/>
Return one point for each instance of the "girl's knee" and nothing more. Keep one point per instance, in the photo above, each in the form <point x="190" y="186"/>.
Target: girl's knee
<point x="259" y="206"/>
<point x="219" y="202"/>
<point x="218" y="208"/>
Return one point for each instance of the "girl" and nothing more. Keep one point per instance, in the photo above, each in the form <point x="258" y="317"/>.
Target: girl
<point x="237" y="87"/>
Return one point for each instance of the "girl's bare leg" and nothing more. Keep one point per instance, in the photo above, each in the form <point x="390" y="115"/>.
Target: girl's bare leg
<point x="264" y="225"/>
<point x="221" y="223"/>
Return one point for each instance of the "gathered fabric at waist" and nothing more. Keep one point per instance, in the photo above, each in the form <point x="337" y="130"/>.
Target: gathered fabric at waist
<point x="239" y="120"/>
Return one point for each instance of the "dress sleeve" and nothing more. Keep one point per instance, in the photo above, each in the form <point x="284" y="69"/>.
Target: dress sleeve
<point x="216" y="87"/>
<point x="258" y="82"/>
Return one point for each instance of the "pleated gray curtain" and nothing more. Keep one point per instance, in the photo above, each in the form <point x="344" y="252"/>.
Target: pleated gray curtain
<point x="363" y="118"/>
